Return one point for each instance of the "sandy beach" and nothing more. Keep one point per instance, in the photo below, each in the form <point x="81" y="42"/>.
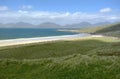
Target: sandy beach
<point x="10" y="42"/>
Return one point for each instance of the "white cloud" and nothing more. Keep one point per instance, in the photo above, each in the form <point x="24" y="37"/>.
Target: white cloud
<point x="3" y="8"/>
<point x="106" y="10"/>
<point x="22" y="11"/>
<point x="24" y="7"/>
<point x="113" y="18"/>
<point x="37" y="17"/>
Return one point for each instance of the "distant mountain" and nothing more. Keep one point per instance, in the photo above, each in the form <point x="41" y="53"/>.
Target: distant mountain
<point x="86" y="25"/>
<point x="78" y="25"/>
<point x="101" y="23"/>
<point x="23" y="25"/>
<point x="17" y="25"/>
<point x="8" y="25"/>
<point x="1" y="24"/>
<point x="48" y="25"/>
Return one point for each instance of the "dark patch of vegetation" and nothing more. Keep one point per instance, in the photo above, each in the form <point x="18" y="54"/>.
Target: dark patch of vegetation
<point x="112" y="30"/>
<point x="110" y="54"/>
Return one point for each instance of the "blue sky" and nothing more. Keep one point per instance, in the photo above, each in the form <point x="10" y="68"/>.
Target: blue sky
<point x="63" y="5"/>
<point x="59" y="11"/>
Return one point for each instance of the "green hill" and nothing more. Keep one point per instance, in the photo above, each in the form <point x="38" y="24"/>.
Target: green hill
<point x="109" y="30"/>
<point x="93" y="58"/>
<point x="114" y="27"/>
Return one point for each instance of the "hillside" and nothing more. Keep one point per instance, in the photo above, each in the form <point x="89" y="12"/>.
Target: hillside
<point x="109" y="30"/>
<point x="112" y="30"/>
<point x="92" y="58"/>
<point x="48" y="25"/>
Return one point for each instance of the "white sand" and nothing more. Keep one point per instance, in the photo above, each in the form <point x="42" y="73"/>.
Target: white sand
<point x="11" y="42"/>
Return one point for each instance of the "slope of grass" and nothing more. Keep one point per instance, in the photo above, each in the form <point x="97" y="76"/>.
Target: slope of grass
<point x="90" y="30"/>
<point x="95" y="58"/>
<point x="112" y="30"/>
<point x="109" y="30"/>
<point x="70" y="67"/>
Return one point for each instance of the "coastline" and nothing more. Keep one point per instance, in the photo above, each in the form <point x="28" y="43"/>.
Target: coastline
<point x="65" y="30"/>
<point x="20" y="41"/>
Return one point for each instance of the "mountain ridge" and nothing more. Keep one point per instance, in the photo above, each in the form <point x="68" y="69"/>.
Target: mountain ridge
<point x="51" y="25"/>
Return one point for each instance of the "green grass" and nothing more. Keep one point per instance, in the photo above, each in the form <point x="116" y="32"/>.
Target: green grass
<point x="108" y="30"/>
<point x="70" y="67"/>
<point x="58" y="49"/>
<point x="112" y="30"/>
<point x="93" y="58"/>
<point x="91" y="30"/>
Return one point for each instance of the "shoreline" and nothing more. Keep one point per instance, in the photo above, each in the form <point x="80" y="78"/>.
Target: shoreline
<point x="20" y="41"/>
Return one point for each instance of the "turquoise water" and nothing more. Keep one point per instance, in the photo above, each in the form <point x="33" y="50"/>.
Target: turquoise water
<point x="13" y="33"/>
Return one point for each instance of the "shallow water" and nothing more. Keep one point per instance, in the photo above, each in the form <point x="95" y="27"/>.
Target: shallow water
<point x="13" y="33"/>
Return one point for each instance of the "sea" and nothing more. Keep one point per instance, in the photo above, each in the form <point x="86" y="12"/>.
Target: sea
<point x="14" y="33"/>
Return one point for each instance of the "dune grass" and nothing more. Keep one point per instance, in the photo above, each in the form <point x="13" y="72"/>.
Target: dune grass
<point x="70" y="67"/>
<point x="94" y="58"/>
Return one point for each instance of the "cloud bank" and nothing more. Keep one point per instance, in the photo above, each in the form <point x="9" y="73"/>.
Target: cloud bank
<point x="37" y="17"/>
<point x="3" y="8"/>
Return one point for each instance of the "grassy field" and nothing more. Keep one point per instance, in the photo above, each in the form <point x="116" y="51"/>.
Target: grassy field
<point x="93" y="58"/>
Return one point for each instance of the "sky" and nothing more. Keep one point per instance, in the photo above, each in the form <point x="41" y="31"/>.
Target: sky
<point x="59" y="11"/>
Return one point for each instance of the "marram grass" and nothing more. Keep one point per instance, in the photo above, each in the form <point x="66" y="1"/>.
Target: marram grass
<point x="85" y="59"/>
<point x="70" y="67"/>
